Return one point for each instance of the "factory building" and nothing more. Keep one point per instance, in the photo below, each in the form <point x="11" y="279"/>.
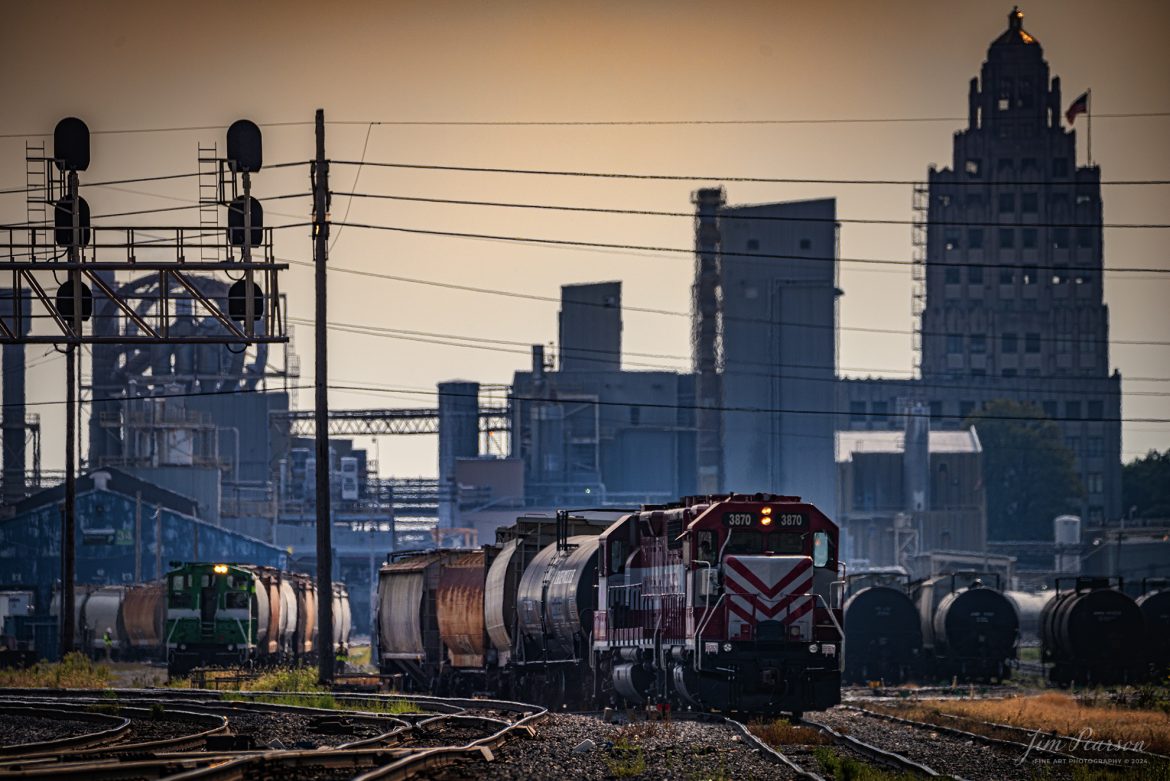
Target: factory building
<point x="778" y="320"/>
<point x="910" y="491"/>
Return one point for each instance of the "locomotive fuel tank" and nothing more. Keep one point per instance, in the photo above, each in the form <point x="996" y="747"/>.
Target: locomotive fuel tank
<point x="144" y="617"/>
<point x="882" y="635"/>
<point x="461" y="609"/>
<point x="557" y="596"/>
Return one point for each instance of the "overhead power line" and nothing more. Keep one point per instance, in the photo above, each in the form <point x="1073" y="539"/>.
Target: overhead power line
<point x="505" y="345"/>
<point x="736" y="217"/>
<point x="725" y="253"/>
<point x="710" y="178"/>
<point x="669" y="312"/>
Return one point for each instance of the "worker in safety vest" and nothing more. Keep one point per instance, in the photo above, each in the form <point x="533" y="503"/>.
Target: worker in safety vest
<point x="339" y="659"/>
<point x="109" y="643"/>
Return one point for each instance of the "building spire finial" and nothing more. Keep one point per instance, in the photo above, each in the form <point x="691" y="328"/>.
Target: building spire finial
<point x="1015" y="18"/>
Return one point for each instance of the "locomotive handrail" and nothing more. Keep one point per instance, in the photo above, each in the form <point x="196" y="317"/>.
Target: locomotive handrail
<point x="702" y="626"/>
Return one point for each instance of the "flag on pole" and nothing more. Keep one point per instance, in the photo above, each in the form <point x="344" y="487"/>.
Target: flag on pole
<point x="1079" y="106"/>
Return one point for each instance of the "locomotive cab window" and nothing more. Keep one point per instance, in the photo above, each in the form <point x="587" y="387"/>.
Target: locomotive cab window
<point x="616" y="559"/>
<point x="820" y="549"/>
<point x="750" y="542"/>
<point x="706" y="546"/>
<point x="235" y="600"/>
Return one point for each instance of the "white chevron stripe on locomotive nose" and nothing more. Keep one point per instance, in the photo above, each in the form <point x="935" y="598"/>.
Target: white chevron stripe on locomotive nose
<point x="769" y="588"/>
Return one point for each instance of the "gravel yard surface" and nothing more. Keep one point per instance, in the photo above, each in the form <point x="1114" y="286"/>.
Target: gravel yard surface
<point x="15" y="730"/>
<point x="300" y="731"/>
<point x="647" y="750"/>
<point x="944" y="753"/>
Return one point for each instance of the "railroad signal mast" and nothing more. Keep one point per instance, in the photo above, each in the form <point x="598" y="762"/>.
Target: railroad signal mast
<point x="95" y="255"/>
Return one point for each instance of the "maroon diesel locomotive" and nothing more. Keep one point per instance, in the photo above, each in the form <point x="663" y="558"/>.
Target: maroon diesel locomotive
<point x="727" y="603"/>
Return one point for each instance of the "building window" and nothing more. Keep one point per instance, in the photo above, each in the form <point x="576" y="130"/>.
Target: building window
<point x="1084" y="237"/>
<point x="1006" y="276"/>
<point x="1004" y="165"/>
<point x="1007" y="238"/>
<point x="1060" y="166"/>
<point x="806" y="243"/>
<point x="1003" y="104"/>
<point x="1096" y="513"/>
<point x="1008" y="373"/>
<point x="1074" y="444"/>
<point x="1083" y="199"/>
<point x="1088" y="345"/>
<point x="975" y="275"/>
<point x="1050" y="409"/>
<point x="1029" y="164"/>
<point x="881" y="411"/>
<point x="978" y="343"/>
<point x="1094" y="483"/>
<point x="753" y="244"/>
<point x="1008" y="343"/>
<point x="978" y="372"/>
<point x="1029" y="203"/>
<point x="951" y="238"/>
<point x="857" y="411"/>
<point x="975" y="238"/>
<point x="1060" y="238"/>
<point x="965" y="409"/>
<point x="1007" y="203"/>
<point x="1029" y="275"/>
<point x="954" y="344"/>
<point x="1096" y="409"/>
<point x="951" y="275"/>
<point x="974" y="200"/>
<point x="936" y="411"/>
<point x="1028" y="236"/>
<point x="1096" y="444"/>
<point x="1072" y="410"/>
<point x="635" y="415"/>
<point x="1083" y="276"/>
<point x="1032" y="343"/>
<point x="1059" y="275"/>
<point x="974" y="167"/>
<point x="1063" y="344"/>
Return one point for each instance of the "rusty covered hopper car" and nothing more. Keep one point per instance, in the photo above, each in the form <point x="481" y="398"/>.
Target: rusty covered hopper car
<point x="460" y="610"/>
<point x="144" y="615"/>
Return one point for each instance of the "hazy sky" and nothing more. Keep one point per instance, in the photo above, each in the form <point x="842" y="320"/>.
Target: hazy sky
<point x="132" y="66"/>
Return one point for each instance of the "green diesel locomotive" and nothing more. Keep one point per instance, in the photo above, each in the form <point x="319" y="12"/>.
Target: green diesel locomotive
<point x="243" y="615"/>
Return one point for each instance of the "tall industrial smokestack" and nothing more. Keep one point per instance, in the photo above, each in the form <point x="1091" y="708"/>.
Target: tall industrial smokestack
<point x="705" y="339"/>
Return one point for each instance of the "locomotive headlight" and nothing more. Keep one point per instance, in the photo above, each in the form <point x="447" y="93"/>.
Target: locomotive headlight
<point x="766" y="520"/>
<point x="220" y="569"/>
<point x="814" y="648"/>
<point x="727" y="647"/>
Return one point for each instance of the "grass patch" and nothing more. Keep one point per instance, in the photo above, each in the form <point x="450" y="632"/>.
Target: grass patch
<point x="780" y="732"/>
<point x="359" y="656"/>
<point x="1050" y="712"/>
<point x="848" y="769"/>
<point x="75" y="671"/>
<point x="1030" y="653"/>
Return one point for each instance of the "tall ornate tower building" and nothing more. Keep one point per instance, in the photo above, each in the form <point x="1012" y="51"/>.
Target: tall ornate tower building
<point x="1013" y="259"/>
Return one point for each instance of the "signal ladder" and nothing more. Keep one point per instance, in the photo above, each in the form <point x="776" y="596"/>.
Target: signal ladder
<point x="36" y="194"/>
<point x="209" y="202"/>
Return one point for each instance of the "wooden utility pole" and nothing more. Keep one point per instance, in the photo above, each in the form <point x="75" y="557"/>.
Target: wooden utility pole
<point x="320" y="182"/>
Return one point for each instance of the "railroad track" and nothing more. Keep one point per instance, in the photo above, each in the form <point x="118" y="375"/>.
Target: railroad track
<point x="442" y="732"/>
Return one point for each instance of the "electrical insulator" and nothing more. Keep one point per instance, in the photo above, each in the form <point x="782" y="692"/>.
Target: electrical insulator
<point x="238" y="299"/>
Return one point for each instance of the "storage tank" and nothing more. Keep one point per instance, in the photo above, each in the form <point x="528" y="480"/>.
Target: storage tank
<point x="461" y="609"/>
<point x="1155" y="606"/>
<point x="342" y="618"/>
<point x="1066" y="530"/>
<point x="288" y="614"/>
<point x="499" y="604"/>
<point x="883" y="637"/>
<point x="102" y="612"/>
<point x="1028" y="608"/>
<point x="1093" y="634"/>
<point x="557" y="597"/>
<point x="144" y="615"/>
<point x="407" y="630"/>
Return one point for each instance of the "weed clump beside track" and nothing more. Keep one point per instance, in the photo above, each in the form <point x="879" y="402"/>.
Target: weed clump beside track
<point x="780" y="732"/>
<point x="1050" y="712"/>
<point x="75" y="671"/>
<point x="298" y="686"/>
